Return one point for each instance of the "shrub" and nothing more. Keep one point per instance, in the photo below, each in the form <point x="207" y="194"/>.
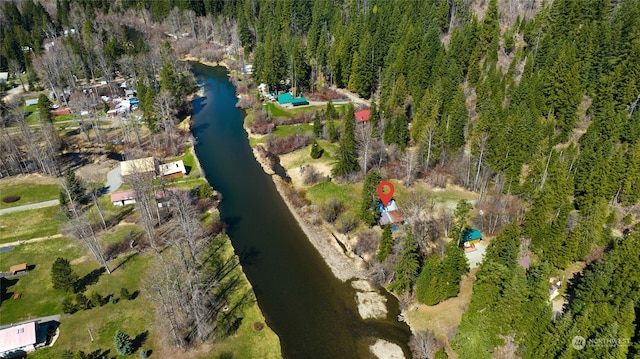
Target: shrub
<point x="330" y="210"/>
<point x="68" y="306"/>
<point x="316" y="150"/>
<point x="82" y="302"/>
<point x="96" y="299"/>
<point x="258" y="326"/>
<point x="62" y="275"/>
<point x="124" y="293"/>
<point x="311" y="176"/>
<point x="10" y="199"/>
<point x="348" y="223"/>
<point x="282" y="145"/>
<point x="144" y="353"/>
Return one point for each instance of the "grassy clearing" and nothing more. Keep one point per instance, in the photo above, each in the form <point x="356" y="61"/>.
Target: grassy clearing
<point x="121" y="233"/>
<point x="38" y="296"/>
<point x="134" y="317"/>
<point x="348" y="194"/>
<point x="286" y="130"/>
<point x="29" y="224"/>
<point x="190" y="163"/>
<point x="445" y="316"/>
<point x="29" y="192"/>
<point x="277" y="111"/>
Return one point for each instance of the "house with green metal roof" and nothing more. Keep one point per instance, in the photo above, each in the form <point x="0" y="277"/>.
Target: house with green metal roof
<point x="287" y="98"/>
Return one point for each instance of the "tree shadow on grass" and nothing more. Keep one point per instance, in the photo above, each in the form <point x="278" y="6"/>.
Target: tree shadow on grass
<point x="89" y="279"/>
<point x="139" y="340"/>
<point x="4" y="285"/>
<point x="99" y="354"/>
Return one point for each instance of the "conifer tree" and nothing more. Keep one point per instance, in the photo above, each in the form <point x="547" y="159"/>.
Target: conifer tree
<point x="408" y="266"/>
<point x="368" y="211"/>
<point x="386" y="244"/>
<point x="347" y="157"/>
<point x="316" y="150"/>
<point x="62" y="275"/>
<point x="123" y="343"/>
<point x="317" y="125"/>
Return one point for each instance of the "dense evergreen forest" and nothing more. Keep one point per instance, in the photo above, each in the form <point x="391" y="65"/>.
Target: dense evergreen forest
<point x="526" y="99"/>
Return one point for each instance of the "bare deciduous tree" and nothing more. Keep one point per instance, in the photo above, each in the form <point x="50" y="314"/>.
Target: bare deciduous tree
<point x="424" y="344"/>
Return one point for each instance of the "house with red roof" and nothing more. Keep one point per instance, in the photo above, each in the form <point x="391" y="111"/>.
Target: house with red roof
<point x="362" y="116"/>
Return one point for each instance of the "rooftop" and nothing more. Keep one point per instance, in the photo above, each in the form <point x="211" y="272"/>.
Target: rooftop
<point x="140" y="165"/>
<point x="170" y="168"/>
<point x="362" y="116"/>
<point x="17" y="336"/>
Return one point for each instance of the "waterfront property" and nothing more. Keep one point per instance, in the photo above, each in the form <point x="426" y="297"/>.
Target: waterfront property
<point x="174" y="169"/>
<point x="390" y="214"/>
<point x="287" y="98"/>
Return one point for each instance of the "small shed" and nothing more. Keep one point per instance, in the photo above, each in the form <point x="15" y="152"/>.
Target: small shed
<point x="4" y="76"/>
<point x="15" y="269"/>
<point x="470" y="237"/>
<point x="31" y="101"/>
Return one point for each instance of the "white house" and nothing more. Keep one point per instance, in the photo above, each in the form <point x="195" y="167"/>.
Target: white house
<point x="17" y="339"/>
<point x="172" y="169"/>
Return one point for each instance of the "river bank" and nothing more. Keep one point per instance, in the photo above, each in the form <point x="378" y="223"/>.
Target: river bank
<point x="353" y="269"/>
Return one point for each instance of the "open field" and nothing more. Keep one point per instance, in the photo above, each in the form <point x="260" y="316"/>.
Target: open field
<point x="29" y="192"/>
<point x="34" y="223"/>
<point x="38" y="296"/>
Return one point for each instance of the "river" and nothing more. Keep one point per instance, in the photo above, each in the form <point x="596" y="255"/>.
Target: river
<point x="314" y="314"/>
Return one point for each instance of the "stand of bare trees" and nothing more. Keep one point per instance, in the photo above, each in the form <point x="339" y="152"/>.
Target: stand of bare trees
<point x="26" y="149"/>
<point x="190" y="282"/>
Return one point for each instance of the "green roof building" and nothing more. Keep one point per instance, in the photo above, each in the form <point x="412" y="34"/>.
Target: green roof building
<point x="471" y="236"/>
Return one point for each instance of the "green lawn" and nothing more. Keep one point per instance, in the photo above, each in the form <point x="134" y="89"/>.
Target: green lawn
<point x="38" y="298"/>
<point x="277" y="111"/>
<point x="286" y="130"/>
<point x="349" y="195"/>
<point x="29" y="192"/>
<point x="134" y="317"/>
<point x="29" y="224"/>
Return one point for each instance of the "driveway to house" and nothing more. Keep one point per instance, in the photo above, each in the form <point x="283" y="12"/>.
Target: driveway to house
<point x="24" y="207"/>
<point x="114" y="181"/>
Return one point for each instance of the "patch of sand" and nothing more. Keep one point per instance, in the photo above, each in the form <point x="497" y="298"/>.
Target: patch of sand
<point x="96" y="172"/>
<point x="386" y="350"/>
<point x="371" y="305"/>
<point x="82" y="259"/>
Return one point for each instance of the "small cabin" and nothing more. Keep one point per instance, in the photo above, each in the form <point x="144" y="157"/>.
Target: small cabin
<point x="470" y="237"/>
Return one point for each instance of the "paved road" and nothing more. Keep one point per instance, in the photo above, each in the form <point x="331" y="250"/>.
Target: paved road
<point x="114" y="181"/>
<point x="53" y="202"/>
